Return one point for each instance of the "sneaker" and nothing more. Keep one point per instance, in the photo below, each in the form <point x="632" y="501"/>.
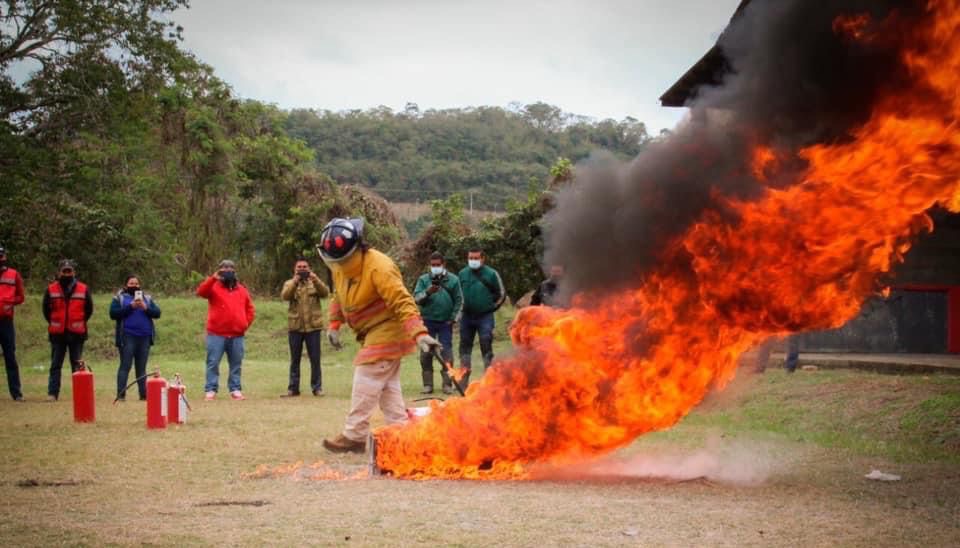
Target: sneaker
<point x="18" y="398"/>
<point x="448" y="389"/>
<point x="121" y="398"/>
<point x="318" y="392"/>
<point x="51" y="398"/>
<point x="237" y="395"/>
<point x="427" y="390"/>
<point x="210" y="396"/>
<point x="290" y="394"/>
<point x="343" y="444"/>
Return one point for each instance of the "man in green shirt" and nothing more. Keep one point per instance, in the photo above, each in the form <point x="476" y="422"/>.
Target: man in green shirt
<point x="439" y="298"/>
<point x="483" y="293"/>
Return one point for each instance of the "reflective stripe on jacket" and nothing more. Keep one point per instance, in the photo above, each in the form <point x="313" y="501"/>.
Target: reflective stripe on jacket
<point x="11" y="291"/>
<point x="369" y="295"/>
<point x="67" y="314"/>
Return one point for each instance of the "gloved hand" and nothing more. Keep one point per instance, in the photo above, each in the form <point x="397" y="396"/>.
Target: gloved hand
<point x="333" y="336"/>
<point x="427" y="343"/>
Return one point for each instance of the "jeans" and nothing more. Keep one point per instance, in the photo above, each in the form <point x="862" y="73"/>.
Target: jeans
<point x="8" y="342"/>
<point x="59" y="346"/>
<point x="134" y="350"/>
<point x="443" y="332"/>
<point x="216" y="346"/>
<point x="297" y="341"/>
<point x="470" y="327"/>
<point x="793" y="353"/>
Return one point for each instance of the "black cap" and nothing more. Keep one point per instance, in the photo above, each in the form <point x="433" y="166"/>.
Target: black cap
<point x="67" y="263"/>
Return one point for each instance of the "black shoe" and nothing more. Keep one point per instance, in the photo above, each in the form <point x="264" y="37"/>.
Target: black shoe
<point x="18" y="398"/>
<point x="143" y="398"/>
<point x="121" y="398"/>
<point x="290" y="394"/>
<point x="318" y="392"/>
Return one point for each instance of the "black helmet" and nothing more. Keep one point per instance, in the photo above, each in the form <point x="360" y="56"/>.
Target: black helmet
<point x="339" y="239"/>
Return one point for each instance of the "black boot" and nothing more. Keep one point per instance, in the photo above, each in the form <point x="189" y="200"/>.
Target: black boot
<point x="465" y="381"/>
<point x="427" y="382"/>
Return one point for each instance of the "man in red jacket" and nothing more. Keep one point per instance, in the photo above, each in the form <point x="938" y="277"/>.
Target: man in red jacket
<point x="229" y="313"/>
<point x="11" y="294"/>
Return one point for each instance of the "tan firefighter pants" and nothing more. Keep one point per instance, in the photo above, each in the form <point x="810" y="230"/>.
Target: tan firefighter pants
<point x="373" y="384"/>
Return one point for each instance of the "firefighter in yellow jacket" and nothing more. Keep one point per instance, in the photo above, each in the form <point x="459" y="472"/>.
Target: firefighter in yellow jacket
<point x="369" y="296"/>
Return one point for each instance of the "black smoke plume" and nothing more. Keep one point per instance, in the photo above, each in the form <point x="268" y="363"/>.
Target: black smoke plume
<point x="793" y="80"/>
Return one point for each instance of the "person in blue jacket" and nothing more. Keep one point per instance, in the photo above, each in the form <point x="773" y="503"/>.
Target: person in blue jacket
<point x="134" y="312"/>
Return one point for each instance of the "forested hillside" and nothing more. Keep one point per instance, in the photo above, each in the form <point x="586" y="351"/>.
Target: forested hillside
<point x="490" y="151"/>
<point x="126" y="153"/>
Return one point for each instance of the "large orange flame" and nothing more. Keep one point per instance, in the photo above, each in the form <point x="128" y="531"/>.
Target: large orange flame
<point x="586" y="381"/>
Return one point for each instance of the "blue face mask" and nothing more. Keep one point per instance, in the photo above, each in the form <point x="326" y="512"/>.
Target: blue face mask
<point x="436" y="270"/>
<point x="474" y="264"/>
<point x="228" y="276"/>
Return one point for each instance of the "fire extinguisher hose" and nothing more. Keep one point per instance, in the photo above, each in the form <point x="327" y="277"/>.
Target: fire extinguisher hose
<point x="183" y="393"/>
<point x="443" y="370"/>
<point x="135" y="381"/>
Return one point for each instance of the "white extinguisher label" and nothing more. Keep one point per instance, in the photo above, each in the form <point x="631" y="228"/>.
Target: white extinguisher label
<point x="183" y="408"/>
<point x="163" y="401"/>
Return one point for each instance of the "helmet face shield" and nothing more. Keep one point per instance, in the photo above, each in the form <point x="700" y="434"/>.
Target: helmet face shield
<point x="339" y="239"/>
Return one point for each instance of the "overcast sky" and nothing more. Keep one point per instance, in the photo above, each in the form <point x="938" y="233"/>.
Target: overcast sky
<point x="599" y="58"/>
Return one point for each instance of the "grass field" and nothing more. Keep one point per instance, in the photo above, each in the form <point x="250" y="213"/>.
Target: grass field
<point x="775" y="459"/>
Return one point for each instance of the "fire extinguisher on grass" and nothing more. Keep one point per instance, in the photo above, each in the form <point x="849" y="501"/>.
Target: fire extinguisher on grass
<point x="177" y="404"/>
<point x="83" y="400"/>
<point x="156" y="401"/>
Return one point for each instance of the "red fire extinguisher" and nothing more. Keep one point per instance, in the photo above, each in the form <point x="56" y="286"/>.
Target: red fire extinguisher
<point x="177" y="403"/>
<point x="156" y="401"/>
<point x="83" y="400"/>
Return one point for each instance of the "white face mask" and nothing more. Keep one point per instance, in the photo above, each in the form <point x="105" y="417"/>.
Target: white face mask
<point x="436" y="270"/>
<point x="474" y="263"/>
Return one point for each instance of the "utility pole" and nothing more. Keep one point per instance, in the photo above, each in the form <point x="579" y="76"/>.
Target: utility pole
<point x="471" y="201"/>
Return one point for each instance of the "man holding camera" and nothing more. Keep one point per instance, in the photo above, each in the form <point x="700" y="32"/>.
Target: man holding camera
<point x="11" y="295"/>
<point x="67" y="305"/>
<point x="483" y="294"/>
<point x="229" y="313"/>
<point x="439" y="298"/>
<point x="134" y="312"/>
<point x="304" y="293"/>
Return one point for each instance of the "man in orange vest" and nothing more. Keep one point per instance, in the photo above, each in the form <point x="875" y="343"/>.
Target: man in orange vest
<point x="67" y="305"/>
<point x="11" y="294"/>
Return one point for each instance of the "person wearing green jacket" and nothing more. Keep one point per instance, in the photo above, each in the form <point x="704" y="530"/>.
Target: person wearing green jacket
<point x="304" y="294"/>
<point x="483" y="293"/>
<point x="439" y="299"/>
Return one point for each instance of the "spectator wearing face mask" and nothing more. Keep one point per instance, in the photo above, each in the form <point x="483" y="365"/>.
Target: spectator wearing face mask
<point x="67" y="306"/>
<point x="229" y="314"/>
<point x="439" y="299"/>
<point x="483" y="294"/>
<point x="134" y="312"/>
